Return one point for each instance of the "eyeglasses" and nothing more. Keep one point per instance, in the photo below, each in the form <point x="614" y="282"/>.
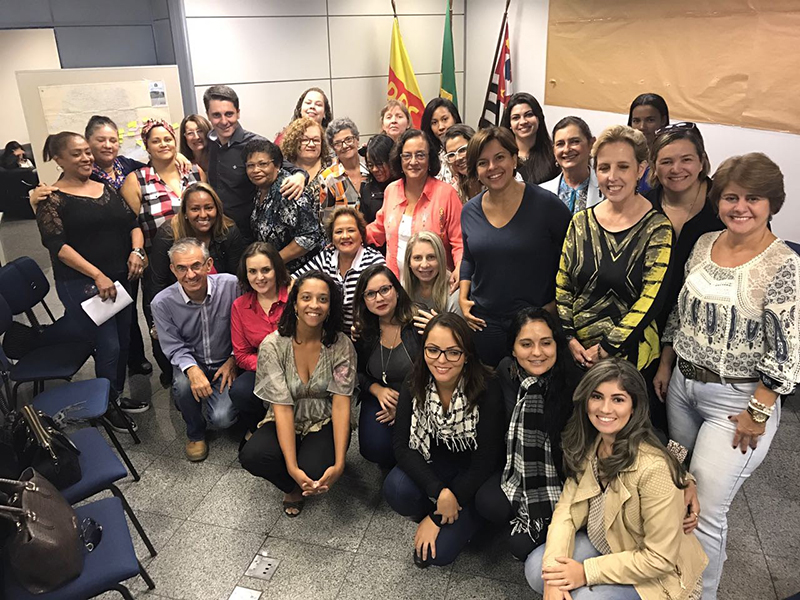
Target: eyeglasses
<point x="348" y="141"/>
<point x="196" y="267"/>
<point x="459" y="153"/>
<point x="310" y="141"/>
<point x="407" y="156"/>
<point x="450" y="355"/>
<point x="384" y="291"/>
<point x="91" y="533"/>
<point x="193" y="134"/>
<point x="261" y="166"/>
<point x="684" y="125"/>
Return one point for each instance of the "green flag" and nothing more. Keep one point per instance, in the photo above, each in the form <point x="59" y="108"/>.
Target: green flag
<point x="448" y="81"/>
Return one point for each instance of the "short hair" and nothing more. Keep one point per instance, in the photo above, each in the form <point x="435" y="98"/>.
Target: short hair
<point x="55" y="143"/>
<point x="220" y="92"/>
<point x="427" y="117"/>
<point x="379" y="149"/>
<point x="287" y="326"/>
<point x="396" y="164"/>
<point x="365" y="322"/>
<point x="180" y="222"/>
<point x="625" y="134"/>
<point x="97" y="121"/>
<point x="350" y="211"/>
<point x="185" y="245"/>
<point x="262" y="145"/>
<point x="649" y="99"/>
<point x="339" y="125"/>
<point x="282" y="278"/>
<point x="481" y="139"/>
<point x="395" y="104"/>
<point x="326" y="118"/>
<point x="203" y="126"/>
<point x="578" y="122"/>
<point x="756" y="173"/>
<point x="458" y="130"/>
<point x="674" y="134"/>
<point x="294" y="132"/>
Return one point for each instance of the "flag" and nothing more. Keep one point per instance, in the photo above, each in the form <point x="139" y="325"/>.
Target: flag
<point x="499" y="90"/>
<point x="448" y="81"/>
<point x="403" y="84"/>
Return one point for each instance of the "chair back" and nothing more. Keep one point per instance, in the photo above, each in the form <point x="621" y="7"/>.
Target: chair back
<point x="14" y="289"/>
<point x="794" y="246"/>
<point x="5" y="322"/>
<point x="24" y="285"/>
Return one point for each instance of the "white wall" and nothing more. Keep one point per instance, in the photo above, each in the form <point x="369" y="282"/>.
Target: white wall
<point x="269" y="51"/>
<point x="528" y="36"/>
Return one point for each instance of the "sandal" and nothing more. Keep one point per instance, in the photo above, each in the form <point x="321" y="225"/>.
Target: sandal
<point x="289" y="505"/>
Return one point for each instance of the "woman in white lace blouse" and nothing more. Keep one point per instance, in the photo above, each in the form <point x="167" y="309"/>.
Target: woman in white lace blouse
<point x="736" y="337"/>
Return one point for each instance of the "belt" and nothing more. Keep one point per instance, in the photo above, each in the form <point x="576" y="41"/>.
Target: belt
<point x="703" y="375"/>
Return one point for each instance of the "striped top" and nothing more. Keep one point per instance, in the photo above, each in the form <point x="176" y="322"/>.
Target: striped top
<point x="609" y="284"/>
<point x="159" y="202"/>
<point x="327" y="261"/>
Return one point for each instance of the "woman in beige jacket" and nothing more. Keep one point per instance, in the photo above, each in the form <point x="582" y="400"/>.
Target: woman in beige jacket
<point x="621" y="516"/>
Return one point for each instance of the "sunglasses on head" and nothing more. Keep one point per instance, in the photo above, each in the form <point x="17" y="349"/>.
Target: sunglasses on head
<point x="684" y="125"/>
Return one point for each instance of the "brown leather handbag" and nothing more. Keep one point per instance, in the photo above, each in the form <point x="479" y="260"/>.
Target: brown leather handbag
<point x="44" y="550"/>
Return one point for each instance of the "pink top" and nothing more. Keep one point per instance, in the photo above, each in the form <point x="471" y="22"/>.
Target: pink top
<point x="250" y="325"/>
<point x="438" y="210"/>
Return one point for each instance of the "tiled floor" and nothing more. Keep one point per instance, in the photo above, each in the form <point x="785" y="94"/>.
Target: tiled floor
<point x="208" y="520"/>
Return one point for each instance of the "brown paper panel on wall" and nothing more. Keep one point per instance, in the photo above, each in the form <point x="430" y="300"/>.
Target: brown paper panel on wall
<point x="722" y="61"/>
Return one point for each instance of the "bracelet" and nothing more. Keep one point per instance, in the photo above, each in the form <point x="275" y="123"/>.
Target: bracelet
<point x="759" y="407"/>
<point x="138" y="252"/>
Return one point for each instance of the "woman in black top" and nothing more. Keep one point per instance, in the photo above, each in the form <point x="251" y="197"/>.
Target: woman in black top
<point x="386" y="347"/>
<point x="525" y="118"/>
<point x="377" y="153"/>
<point x="90" y="230"/>
<point x="448" y="440"/>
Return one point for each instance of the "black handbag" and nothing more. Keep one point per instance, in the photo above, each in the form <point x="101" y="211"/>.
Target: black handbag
<point x="39" y="443"/>
<point x="44" y="550"/>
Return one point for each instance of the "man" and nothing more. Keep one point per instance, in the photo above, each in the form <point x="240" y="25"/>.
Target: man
<point x="193" y="321"/>
<point x="226" y="172"/>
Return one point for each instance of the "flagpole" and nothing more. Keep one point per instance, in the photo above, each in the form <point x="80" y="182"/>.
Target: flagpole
<point x="499" y="40"/>
<point x="394" y="8"/>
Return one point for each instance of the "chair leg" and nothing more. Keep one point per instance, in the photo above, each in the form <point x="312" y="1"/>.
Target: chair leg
<point x="49" y="312"/>
<point x="124" y="592"/>
<point x="121" y="413"/>
<point x="146" y="576"/>
<point x="14" y="394"/>
<point x="139" y="529"/>
<point x="120" y="450"/>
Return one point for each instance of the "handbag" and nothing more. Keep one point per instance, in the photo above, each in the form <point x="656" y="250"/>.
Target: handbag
<point x="39" y="443"/>
<point x="44" y="551"/>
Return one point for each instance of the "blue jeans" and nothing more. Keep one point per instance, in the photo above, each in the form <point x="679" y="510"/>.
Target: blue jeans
<point x="215" y="412"/>
<point x="698" y="419"/>
<point x="374" y="439"/>
<point x="110" y="339"/>
<point x="583" y="550"/>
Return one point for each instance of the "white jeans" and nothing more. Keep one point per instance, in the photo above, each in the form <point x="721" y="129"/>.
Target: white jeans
<point x="698" y="419"/>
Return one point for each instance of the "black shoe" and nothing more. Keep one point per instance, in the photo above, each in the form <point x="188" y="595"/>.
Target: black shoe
<point x="133" y="406"/>
<point x="119" y="422"/>
<point x="422" y="564"/>
<point x="140" y="368"/>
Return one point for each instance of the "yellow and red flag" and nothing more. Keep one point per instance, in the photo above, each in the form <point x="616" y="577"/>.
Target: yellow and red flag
<point x="403" y="84"/>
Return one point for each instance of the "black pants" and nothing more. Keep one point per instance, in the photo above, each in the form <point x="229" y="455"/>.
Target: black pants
<point x="493" y="505"/>
<point x="249" y="406"/>
<point x="262" y="455"/>
<point x="136" y="354"/>
<point x="491" y="342"/>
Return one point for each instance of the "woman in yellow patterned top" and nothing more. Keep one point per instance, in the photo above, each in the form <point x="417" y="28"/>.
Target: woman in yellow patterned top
<point x="615" y="256"/>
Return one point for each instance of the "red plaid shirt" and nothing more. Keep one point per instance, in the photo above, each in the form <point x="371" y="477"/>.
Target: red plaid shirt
<point x="159" y="202"/>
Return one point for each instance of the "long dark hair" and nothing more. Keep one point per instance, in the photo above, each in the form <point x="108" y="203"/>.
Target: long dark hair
<point x="366" y="322"/>
<point x="55" y="143"/>
<point x="474" y="374"/>
<point x="541" y="162"/>
<point x="580" y="435"/>
<point x="287" y="326"/>
<point x="649" y="99"/>
<point x="282" y="278"/>
<point x="427" y="116"/>
<point x="326" y="118"/>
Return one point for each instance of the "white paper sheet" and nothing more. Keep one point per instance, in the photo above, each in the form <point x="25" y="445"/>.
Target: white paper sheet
<point x="101" y="311"/>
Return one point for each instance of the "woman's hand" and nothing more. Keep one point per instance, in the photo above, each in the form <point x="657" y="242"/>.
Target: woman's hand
<point x="661" y="380"/>
<point x="421" y="319"/>
<point x="105" y="287"/>
<point x="474" y="323"/>
<point x="324" y="484"/>
<point x="184" y="164"/>
<point x="692" y="504"/>
<point x="747" y="431"/>
<point x="580" y="354"/>
<point x="447" y="506"/>
<point x="453" y="281"/>
<point x="567" y="575"/>
<point x="39" y="193"/>
<point x="387" y="398"/>
<point x="135" y="266"/>
<point x="425" y="538"/>
<point x="552" y="593"/>
<point x="304" y="482"/>
<point x="292" y="187"/>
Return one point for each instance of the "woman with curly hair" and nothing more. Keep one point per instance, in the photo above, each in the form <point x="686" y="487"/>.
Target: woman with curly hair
<point x="305" y="145"/>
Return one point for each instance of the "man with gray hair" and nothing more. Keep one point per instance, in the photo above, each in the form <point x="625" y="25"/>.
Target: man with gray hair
<point x="193" y="320"/>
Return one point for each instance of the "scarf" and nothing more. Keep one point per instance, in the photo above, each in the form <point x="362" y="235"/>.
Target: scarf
<point x="530" y="479"/>
<point x="115" y="180"/>
<point x="457" y="428"/>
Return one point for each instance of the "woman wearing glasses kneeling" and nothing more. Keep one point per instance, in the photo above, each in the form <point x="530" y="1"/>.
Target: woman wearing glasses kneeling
<point x="448" y="440"/>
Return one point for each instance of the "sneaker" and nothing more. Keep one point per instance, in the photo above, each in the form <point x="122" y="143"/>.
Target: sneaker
<point x="119" y="422"/>
<point x="133" y="406"/>
<point x="196" y="451"/>
<point x="140" y="367"/>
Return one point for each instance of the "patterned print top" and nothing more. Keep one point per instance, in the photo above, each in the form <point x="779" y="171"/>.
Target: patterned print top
<point x="159" y="202"/>
<point x="741" y="321"/>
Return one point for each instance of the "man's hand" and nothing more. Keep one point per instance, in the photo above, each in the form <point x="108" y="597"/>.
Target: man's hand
<point x="198" y="381"/>
<point x="293" y="186"/>
<point x="226" y="374"/>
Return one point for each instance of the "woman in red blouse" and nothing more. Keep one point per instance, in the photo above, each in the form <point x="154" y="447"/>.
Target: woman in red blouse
<point x="254" y="315"/>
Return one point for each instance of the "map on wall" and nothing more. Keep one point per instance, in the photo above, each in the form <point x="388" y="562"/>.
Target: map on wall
<point x="127" y="103"/>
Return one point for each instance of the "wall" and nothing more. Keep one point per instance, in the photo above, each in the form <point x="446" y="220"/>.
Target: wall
<point x="273" y="50"/>
<point x="528" y="34"/>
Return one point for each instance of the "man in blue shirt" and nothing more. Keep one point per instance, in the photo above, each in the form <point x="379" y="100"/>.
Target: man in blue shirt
<point x="193" y="321"/>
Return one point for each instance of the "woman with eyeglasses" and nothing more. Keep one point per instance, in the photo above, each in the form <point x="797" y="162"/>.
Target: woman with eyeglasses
<point x="455" y="142"/>
<point x="525" y="119"/>
<point x="343" y="181"/>
<point x="448" y="440"/>
<point x="736" y="336"/>
<point x="194" y="140"/>
<point x="304" y="144"/>
<point x="417" y="202"/>
<point x="648" y="113"/>
<point x="292" y="226"/>
<point x="376" y="152"/>
<point x="387" y="347"/>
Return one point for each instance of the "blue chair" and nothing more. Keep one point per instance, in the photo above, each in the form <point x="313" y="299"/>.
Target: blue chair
<point x="112" y="561"/>
<point x="100" y="469"/>
<point x="24" y="285"/>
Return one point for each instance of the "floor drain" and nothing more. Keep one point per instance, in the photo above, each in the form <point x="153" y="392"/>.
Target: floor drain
<point x="241" y="593"/>
<point x="262" y="567"/>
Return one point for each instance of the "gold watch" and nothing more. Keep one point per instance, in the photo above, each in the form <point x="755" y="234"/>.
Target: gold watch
<point x="757" y="416"/>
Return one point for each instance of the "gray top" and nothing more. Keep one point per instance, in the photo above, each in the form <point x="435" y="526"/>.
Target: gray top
<point x="426" y="304"/>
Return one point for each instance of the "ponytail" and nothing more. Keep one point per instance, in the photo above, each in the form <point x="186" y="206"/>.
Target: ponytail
<point x="56" y="142"/>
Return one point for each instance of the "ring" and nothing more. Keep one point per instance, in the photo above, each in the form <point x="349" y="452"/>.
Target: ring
<point x="695" y="515"/>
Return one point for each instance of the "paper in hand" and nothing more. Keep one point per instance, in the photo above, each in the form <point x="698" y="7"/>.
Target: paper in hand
<point x="101" y="311"/>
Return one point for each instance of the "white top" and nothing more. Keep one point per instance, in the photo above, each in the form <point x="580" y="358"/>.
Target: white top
<point x="403" y="235"/>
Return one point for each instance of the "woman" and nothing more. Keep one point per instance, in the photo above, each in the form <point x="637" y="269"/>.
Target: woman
<point x="194" y="140"/>
<point x="395" y="119"/>
<point x="376" y="152"/>
<point x="447" y="441"/>
<point x="254" y="315"/>
<point x="346" y="259"/>
<point x="538" y="381"/>
<point x="576" y="186"/>
<point x="305" y="146"/>
<point x="514" y="224"/>
<point x="648" y="113"/>
<point x="440" y="114"/>
<point x="455" y="142"/>
<point x="342" y="182"/>
<point x="13" y="157"/>
<point x="679" y="169"/>
<point x="417" y="202"/>
<point x="387" y="347"/>
<point x="312" y="104"/>
<point x="525" y="119"/>
<point x="618" y="524"/>
<point x="736" y="338"/>
<point x="291" y="226"/>
<point x="94" y="245"/>
<point x="609" y="285"/>
<point x="306" y="376"/>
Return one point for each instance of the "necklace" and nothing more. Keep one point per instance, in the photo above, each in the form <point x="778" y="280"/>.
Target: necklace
<point x="388" y="360"/>
<point x="691" y="206"/>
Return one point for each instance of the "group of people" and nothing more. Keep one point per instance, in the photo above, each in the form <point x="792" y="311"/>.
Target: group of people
<point x="518" y="334"/>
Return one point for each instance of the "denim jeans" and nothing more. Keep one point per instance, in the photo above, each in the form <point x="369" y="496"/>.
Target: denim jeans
<point x="583" y="550"/>
<point x="698" y="419"/>
<point x="215" y="412"/>
<point x="374" y="439"/>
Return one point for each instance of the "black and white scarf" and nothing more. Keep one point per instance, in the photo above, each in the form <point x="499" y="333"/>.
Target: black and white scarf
<point x="530" y="479"/>
<point x="457" y="428"/>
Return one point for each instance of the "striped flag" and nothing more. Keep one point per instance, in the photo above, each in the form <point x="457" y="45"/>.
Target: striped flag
<point x="448" y="80"/>
<point x="403" y="84"/>
<point x="499" y="90"/>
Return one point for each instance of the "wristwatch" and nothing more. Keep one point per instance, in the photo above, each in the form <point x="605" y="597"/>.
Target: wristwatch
<point x="757" y="415"/>
<point x="138" y="252"/>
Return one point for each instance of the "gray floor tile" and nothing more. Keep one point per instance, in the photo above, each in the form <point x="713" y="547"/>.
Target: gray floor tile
<point x="742" y="532"/>
<point x="372" y="577"/>
<point x="778" y="475"/>
<point x="223" y="447"/>
<point x="157" y="430"/>
<point x="788" y="435"/>
<point x="471" y="587"/>
<point x="305" y="571"/>
<point x="785" y="575"/>
<point x="388" y="534"/>
<point x="488" y="556"/>
<point x="777" y="522"/>
<point x="159" y="528"/>
<point x="241" y="501"/>
<point x="140" y="460"/>
<point x="745" y="577"/>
